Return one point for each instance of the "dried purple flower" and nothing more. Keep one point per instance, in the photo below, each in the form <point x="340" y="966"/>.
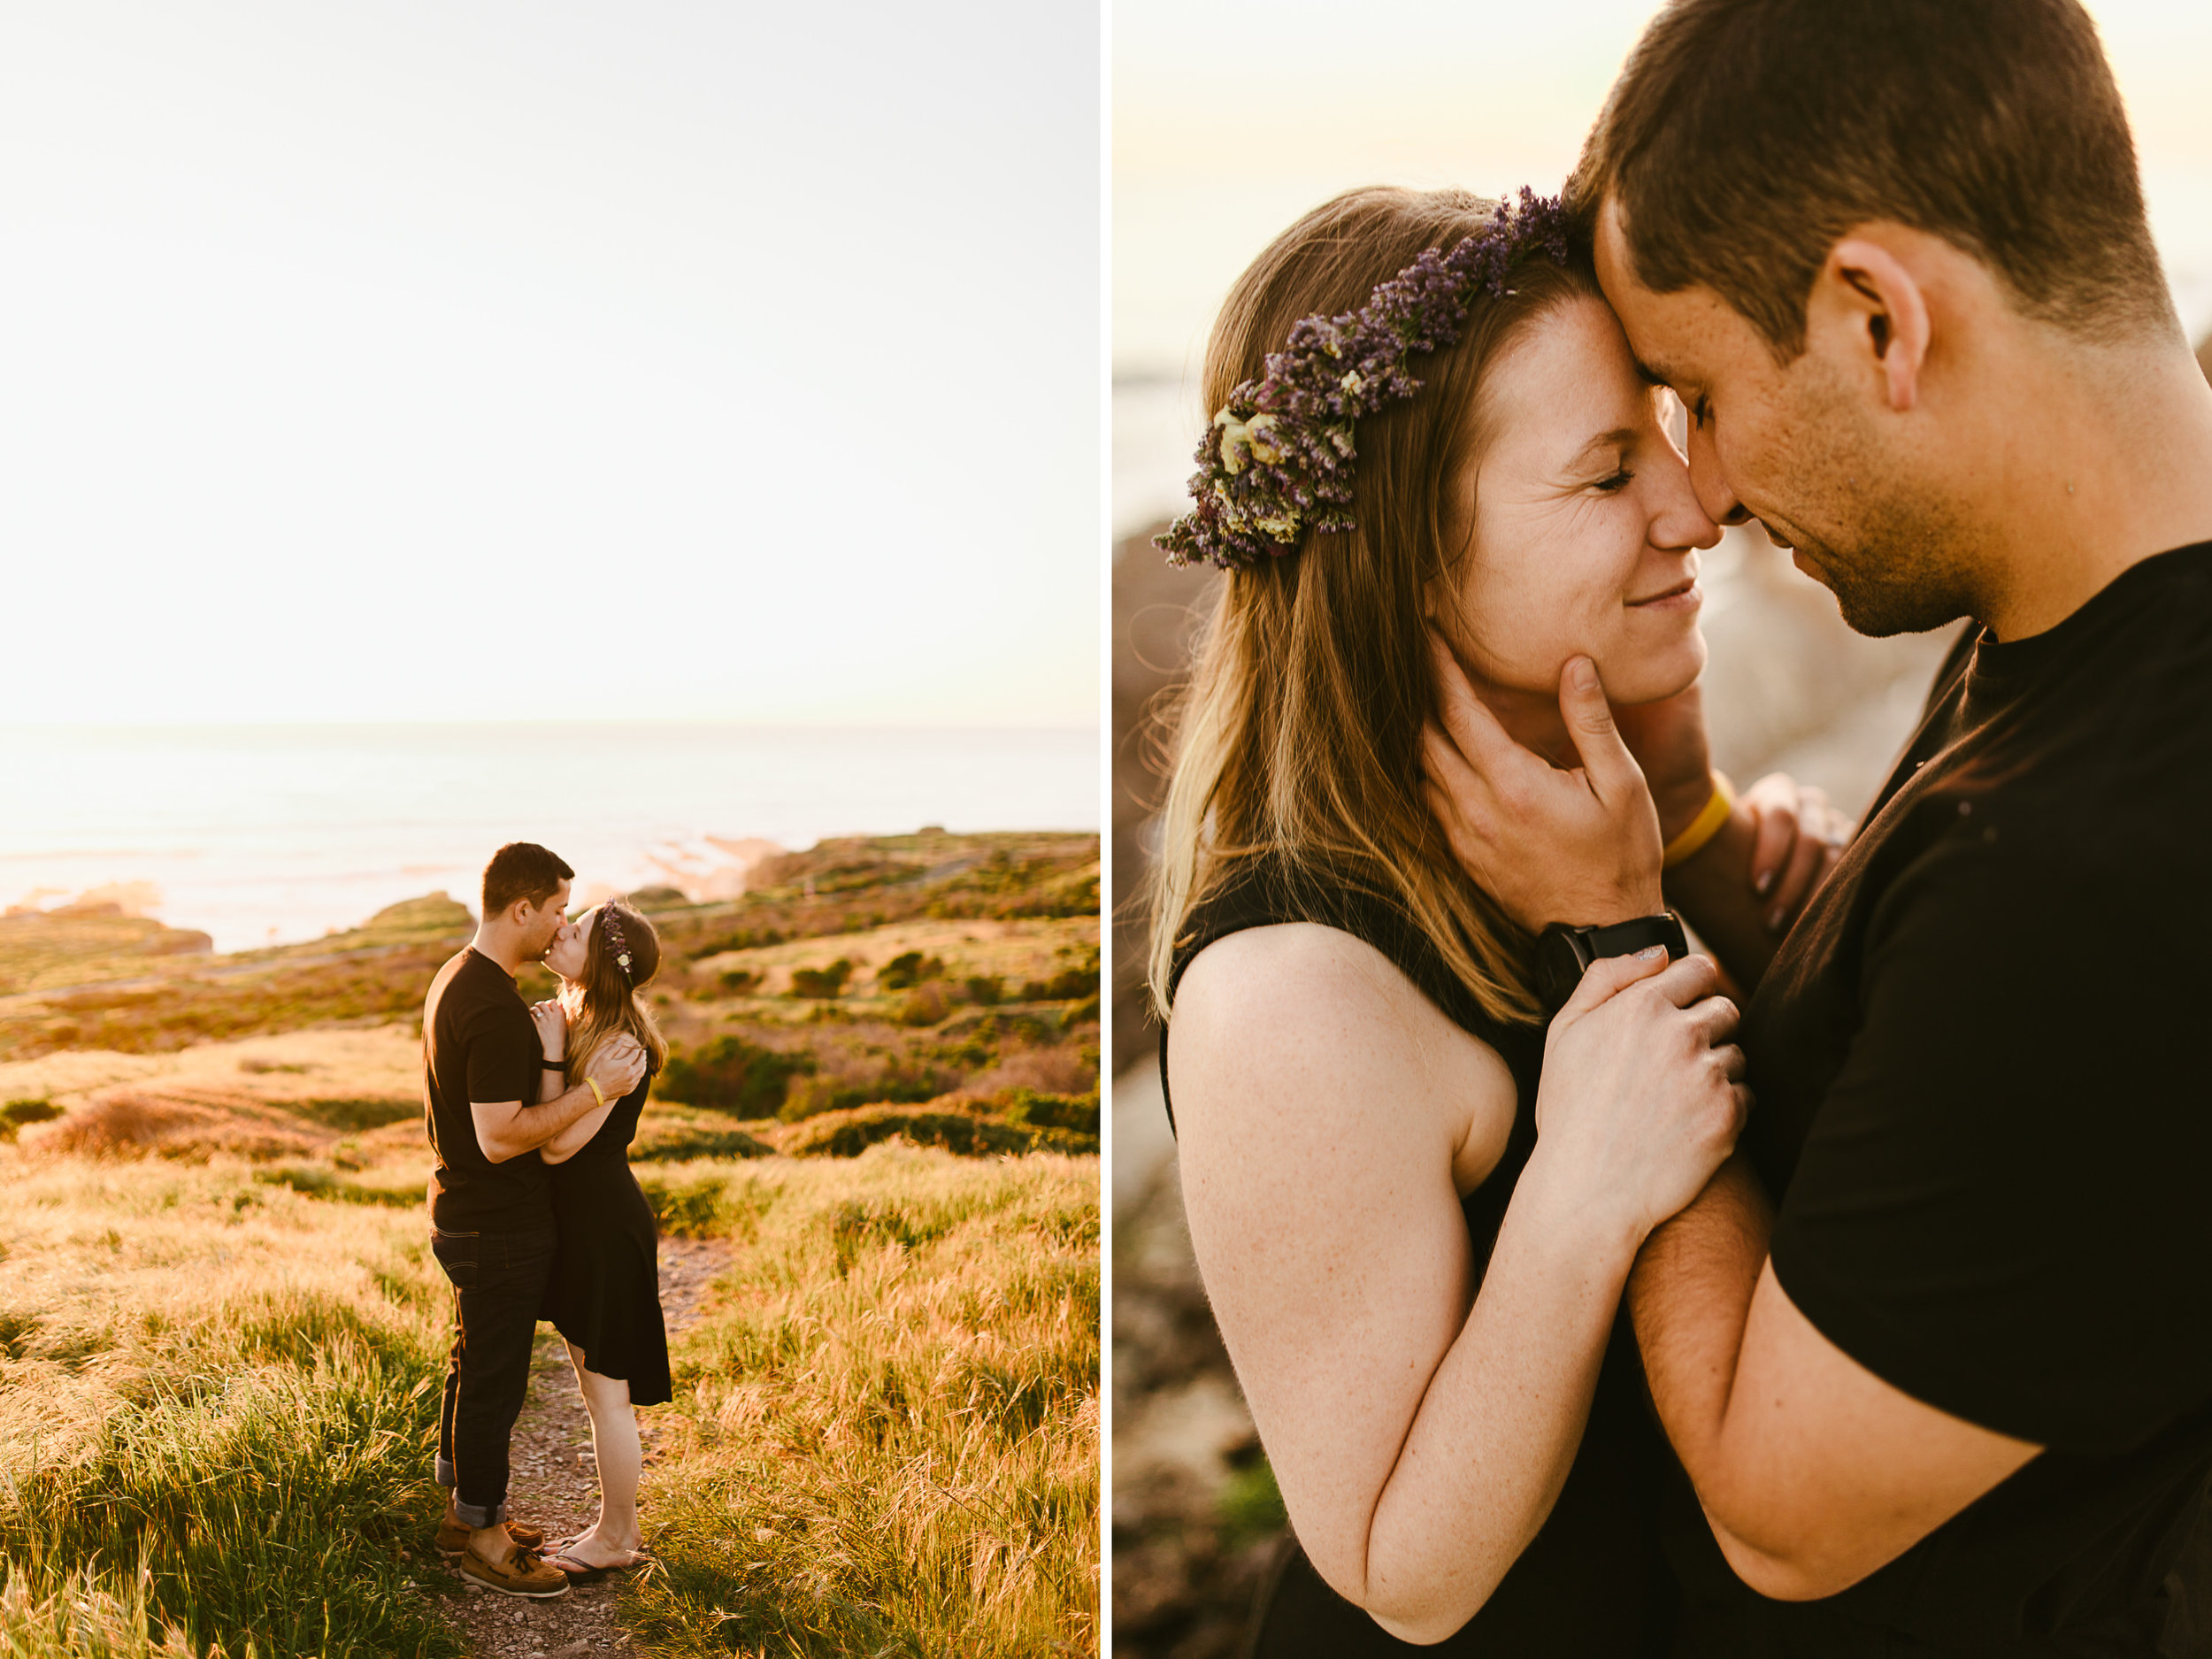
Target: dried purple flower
<point x="612" y="924"/>
<point x="1278" y="459"/>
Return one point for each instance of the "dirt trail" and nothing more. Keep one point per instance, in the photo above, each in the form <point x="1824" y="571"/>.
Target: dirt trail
<point x="555" y="1486"/>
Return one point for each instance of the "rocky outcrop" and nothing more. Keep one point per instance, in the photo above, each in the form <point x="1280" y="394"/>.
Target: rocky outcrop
<point x="46" y="949"/>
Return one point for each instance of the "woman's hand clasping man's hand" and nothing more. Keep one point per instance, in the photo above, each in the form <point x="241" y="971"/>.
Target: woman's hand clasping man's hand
<point x="1800" y="838"/>
<point x="616" y="1067"/>
<point x="552" y="1028"/>
<point x="1642" y="1095"/>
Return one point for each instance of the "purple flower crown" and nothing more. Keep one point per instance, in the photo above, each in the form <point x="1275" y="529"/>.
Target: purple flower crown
<point x="1278" y="459"/>
<point x="617" y="946"/>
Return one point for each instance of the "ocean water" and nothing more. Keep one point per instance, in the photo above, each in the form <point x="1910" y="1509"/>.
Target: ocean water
<point x="271" y="834"/>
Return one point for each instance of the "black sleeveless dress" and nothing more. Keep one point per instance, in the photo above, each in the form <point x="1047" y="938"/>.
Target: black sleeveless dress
<point x="604" y="1294"/>
<point x="1593" y="1583"/>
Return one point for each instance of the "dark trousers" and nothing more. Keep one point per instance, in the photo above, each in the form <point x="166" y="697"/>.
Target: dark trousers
<point x="499" y="1281"/>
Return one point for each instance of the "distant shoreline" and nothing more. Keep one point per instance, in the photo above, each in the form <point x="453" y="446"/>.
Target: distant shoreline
<point x="275" y="834"/>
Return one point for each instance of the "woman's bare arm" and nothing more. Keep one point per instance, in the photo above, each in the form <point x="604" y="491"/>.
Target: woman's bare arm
<point x="572" y="1140"/>
<point x="1330" y="1119"/>
<point x="552" y="1029"/>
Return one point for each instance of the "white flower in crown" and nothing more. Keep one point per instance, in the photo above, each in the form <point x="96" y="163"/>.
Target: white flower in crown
<point x="623" y="962"/>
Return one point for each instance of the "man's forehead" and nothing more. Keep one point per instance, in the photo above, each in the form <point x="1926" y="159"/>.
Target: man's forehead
<point x="1665" y="330"/>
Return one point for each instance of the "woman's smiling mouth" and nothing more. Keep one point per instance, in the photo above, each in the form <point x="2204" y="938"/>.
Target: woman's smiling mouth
<point x="1682" y="595"/>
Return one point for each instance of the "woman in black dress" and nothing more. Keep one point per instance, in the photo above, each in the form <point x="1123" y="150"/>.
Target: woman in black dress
<point x="1414" y="1207"/>
<point x="604" y="1295"/>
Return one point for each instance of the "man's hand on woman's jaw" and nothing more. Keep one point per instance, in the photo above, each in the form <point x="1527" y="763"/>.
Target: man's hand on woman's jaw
<point x="1578" y="845"/>
<point x="1583" y="845"/>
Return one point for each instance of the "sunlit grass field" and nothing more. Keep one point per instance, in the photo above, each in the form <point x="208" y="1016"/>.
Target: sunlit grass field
<point x="218" y="1396"/>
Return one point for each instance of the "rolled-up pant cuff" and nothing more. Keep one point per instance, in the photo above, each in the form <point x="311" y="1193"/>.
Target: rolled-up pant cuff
<point x="477" y="1515"/>
<point x="467" y="1514"/>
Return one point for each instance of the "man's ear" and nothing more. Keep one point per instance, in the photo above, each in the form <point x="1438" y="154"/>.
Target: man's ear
<point x="1873" y="310"/>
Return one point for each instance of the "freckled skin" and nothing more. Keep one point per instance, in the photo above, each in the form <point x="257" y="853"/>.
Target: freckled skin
<point x="1579" y="505"/>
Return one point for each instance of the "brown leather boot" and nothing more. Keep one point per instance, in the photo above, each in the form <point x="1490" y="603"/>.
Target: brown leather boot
<point x="520" y="1573"/>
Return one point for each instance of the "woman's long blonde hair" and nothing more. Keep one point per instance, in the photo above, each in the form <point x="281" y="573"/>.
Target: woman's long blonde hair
<point x="1299" y="735"/>
<point x="607" y="1001"/>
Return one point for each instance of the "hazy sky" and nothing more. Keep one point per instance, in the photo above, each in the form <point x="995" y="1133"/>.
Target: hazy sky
<point x="486" y="359"/>
<point x="1231" y="117"/>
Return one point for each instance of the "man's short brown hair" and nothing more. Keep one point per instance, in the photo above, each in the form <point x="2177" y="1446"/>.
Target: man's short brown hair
<point x="522" y="869"/>
<point x="1744" y="138"/>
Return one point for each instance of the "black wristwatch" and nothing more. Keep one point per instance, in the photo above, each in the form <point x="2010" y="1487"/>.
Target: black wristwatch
<point x="1562" y="953"/>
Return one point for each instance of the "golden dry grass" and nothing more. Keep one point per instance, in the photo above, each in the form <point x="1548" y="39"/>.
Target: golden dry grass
<point x="217" y="1397"/>
<point x="889" y="1415"/>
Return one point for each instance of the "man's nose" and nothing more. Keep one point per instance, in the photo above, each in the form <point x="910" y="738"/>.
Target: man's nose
<point x="1714" y="494"/>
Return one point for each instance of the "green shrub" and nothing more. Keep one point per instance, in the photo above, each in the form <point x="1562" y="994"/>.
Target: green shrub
<point x="821" y="982"/>
<point x="811" y="1096"/>
<point x="685" y="1208"/>
<point x="898" y="1079"/>
<point x="743" y="939"/>
<point x="849" y="1134"/>
<point x="1079" y="1113"/>
<point x="733" y="1075"/>
<point x="20" y="1112"/>
<point x="909" y="968"/>
<point x="356" y="1114"/>
<point x="925" y="1005"/>
<point x="679" y="1140"/>
<point x="312" y="1178"/>
<point x="738" y="981"/>
<point x="1062" y="987"/>
<point x="986" y="989"/>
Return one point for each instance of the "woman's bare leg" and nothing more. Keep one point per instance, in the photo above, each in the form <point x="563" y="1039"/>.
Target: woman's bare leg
<point x="614" y="1444"/>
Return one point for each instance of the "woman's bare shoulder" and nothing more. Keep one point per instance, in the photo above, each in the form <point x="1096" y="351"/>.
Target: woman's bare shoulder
<point x="1300" y="1019"/>
<point x="1284" y="973"/>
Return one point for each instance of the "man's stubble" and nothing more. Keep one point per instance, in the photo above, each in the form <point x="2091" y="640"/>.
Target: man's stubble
<point x="1895" y="550"/>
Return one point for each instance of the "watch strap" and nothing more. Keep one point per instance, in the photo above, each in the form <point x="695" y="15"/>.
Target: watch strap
<point x="1563" y="953"/>
<point x="1624" y="939"/>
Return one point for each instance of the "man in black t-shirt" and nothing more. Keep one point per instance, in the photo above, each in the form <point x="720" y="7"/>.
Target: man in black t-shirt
<point x="491" y="1213"/>
<point x="1935" y="1350"/>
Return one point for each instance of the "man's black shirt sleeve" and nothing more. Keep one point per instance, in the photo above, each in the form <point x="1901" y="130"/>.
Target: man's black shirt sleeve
<point x="502" y="1057"/>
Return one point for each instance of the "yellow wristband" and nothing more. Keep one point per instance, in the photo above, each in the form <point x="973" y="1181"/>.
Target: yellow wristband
<point x="1703" y="827"/>
<point x="596" y="1094"/>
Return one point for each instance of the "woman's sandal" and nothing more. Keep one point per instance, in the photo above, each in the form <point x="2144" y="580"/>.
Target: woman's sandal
<point x="583" y="1572"/>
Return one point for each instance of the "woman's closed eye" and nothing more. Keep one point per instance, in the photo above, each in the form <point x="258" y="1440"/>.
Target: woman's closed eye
<point x="1614" y="482"/>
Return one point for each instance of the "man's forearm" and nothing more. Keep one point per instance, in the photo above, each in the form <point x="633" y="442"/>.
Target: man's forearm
<point x="1689" y="1297"/>
<point x="1813" y="1471"/>
<point x="531" y="1126"/>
